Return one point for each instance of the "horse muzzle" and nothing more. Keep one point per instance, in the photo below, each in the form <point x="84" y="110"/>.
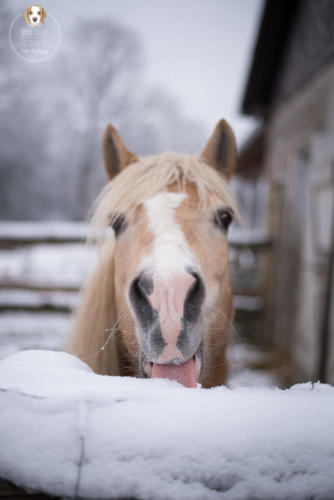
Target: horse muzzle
<point x="168" y="313"/>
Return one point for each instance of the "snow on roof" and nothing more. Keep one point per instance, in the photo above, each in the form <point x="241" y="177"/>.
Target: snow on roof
<point x="67" y="431"/>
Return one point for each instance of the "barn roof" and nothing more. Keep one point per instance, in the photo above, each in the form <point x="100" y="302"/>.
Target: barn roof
<point x="277" y="21"/>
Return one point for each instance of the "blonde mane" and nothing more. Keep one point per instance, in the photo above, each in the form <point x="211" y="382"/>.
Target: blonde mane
<point x="151" y="175"/>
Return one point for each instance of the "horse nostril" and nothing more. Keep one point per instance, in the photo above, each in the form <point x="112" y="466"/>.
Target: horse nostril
<point x="194" y="299"/>
<point x="145" y="284"/>
<point x="140" y="288"/>
<point x="136" y="293"/>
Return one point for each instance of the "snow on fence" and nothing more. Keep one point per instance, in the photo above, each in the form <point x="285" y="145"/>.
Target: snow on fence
<point x="68" y="432"/>
<point x="19" y="233"/>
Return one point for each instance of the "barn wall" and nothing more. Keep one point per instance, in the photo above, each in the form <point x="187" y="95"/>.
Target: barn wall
<point x="309" y="46"/>
<point x="300" y="162"/>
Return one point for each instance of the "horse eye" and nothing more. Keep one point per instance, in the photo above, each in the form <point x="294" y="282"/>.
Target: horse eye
<point x="224" y="218"/>
<point x="118" y="223"/>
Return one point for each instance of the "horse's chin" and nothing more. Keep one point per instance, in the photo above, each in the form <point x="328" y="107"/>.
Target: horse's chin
<point x="186" y="373"/>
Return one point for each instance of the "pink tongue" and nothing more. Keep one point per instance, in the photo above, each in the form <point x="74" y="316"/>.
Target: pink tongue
<point x="184" y="374"/>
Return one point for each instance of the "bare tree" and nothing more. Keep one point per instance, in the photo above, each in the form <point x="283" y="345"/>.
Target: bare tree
<point x="101" y="66"/>
<point x="54" y="113"/>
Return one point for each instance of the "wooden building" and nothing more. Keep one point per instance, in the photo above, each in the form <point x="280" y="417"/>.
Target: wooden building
<point x="291" y="88"/>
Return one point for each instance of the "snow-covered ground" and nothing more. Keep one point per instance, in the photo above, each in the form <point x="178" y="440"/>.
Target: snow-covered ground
<point x="244" y="362"/>
<point x="69" y="432"/>
<point x="25" y="330"/>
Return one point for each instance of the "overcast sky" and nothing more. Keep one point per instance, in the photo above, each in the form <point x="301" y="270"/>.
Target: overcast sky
<point x="199" y="50"/>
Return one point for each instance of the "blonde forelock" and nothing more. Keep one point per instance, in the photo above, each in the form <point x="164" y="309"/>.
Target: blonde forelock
<point x="151" y="175"/>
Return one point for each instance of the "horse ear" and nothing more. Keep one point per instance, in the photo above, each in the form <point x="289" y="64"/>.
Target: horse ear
<point x="221" y="150"/>
<point x="116" y="155"/>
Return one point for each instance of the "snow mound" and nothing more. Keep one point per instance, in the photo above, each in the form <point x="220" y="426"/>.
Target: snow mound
<point x="69" y="432"/>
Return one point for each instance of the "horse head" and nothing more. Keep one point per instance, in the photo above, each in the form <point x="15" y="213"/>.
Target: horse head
<point x="171" y="286"/>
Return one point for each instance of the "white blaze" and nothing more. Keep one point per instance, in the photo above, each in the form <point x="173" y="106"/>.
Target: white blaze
<point x="171" y="252"/>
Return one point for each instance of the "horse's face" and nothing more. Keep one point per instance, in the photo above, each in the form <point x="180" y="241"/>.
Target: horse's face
<point x="171" y="267"/>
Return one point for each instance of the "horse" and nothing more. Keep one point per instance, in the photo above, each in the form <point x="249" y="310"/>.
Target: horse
<point x="159" y="303"/>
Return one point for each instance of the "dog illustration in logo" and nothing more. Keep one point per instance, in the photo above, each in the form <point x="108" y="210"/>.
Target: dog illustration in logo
<point x="34" y="15"/>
